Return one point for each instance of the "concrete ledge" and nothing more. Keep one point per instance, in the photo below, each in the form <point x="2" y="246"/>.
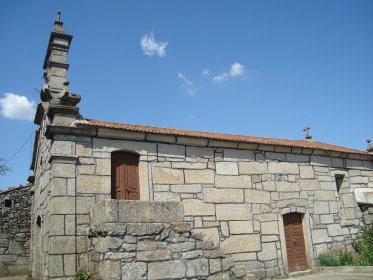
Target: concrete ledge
<point x="125" y="211"/>
<point x="345" y="269"/>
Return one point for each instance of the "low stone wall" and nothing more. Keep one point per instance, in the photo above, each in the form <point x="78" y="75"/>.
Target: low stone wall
<point x="149" y="240"/>
<point x="15" y="226"/>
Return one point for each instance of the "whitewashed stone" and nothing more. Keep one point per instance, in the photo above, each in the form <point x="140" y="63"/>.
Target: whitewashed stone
<point x="252" y="168"/>
<point x="241" y="244"/>
<point x="225" y="181"/>
<point x="226" y="168"/>
<point x="213" y="195"/>
<point x="167" y="176"/>
<point x="233" y="212"/>
<point x="199" y="176"/>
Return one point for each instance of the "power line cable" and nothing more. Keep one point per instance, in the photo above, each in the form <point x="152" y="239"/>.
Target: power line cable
<point x="20" y="148"/>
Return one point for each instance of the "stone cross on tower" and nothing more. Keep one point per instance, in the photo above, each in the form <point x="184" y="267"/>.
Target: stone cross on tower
<point x="55" y="95"/>
<point x="308" y="134"/>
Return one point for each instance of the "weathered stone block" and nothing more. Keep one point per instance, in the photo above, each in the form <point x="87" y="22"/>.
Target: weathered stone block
<point x="192" y="188"/>
<point x="157" y="255"/>
<point x="214" y="195"/>
<point x="283" y="186"/>
<point x="233" y="212"/>
<point x="208" y="235"/>
<point x="320" y="236"/>
<point x="325" y="195"/>
<point x="310" y="185"/>
<point x="241" y="243"/>
<point x="241" y="227"/>
<point x="94" y="184"/>
<point x="166" y="196"/>
<point x="63" y="170"/>
<point x="69" y="265"/>
<point x="199" y="176"/>
<point x="306" y="172"/>
<point x="238" y="182"/>
<point x="169" y="150"/>
<point x="167" y="176"/>
<point x="268" y="252"/>
<point x="252" y="167"/>
<point x="105" y="212"/>
<point x="321" y="207"/>
<point x="319" y="160"/>
<point x="257" y="196"/>
<point x="62" y="244"/>
<point x="283" y="168"/>
<point x="133" y="270"/>
<point x="197" y="268"/>
<point x="149" y="211"/>
<point x="56" y="225"/>
<point x="238" y="155"/>
<point x="109" y="270"/>
<point x="103" y="166"/>
<point x="62" y="205"/>
<point x="199" y="152"/>
<point x="189" y="165"/>
<point x="195" y="207"/>
<point x="144" y="228"/>
<point x="166" y="270"/>
<point x="270" y="227"/>
<point x="226" y="168"/>
<point x="55" y="265"/>
<point x="83" y="149"/>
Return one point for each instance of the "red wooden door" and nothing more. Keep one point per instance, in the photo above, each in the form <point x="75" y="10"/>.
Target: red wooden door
<point x="125" y="176"/>
<point x="297" y="260"/>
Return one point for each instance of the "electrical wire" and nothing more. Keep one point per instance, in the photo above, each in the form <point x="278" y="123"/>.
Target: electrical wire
<point x="20" y="148"/>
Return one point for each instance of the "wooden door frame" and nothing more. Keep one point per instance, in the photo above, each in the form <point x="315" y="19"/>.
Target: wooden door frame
<point x="306" y="236"/>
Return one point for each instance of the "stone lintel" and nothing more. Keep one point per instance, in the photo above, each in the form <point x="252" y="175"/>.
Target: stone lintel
<point x="63" y="158"/>
<point x="65" y="130"/>
<point x="125" y="211"/>
<point x="120" y="134"/>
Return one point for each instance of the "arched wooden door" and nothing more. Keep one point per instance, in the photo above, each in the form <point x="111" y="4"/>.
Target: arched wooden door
<point x="125" y="176"/>
<point x="296" y="252"/>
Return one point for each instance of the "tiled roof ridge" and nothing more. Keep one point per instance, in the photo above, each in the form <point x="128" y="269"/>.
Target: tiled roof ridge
<point x="15" y="188"/>
<point x="306" y="144"/>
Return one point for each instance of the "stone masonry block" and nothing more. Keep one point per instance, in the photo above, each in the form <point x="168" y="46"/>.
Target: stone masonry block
<point x="309" y="185"/>
<point x="169" y="150"/>
<point x="56" y="225"/>
<point x="320" y="236"/>
<point x="306" y="172"/>
<point x="103" y="166"/>
<point x="62" y="147"/>
<point x="226" y="168"/>
<point x="62" y="205"/>
<point x="325" y="195"/>
<point x="268" y="252"/>
<point x="109" y="270"/>
<point x="283" y="168"/>
<point x="238" y="182"/>
<point x="257" y="196"/>
<point x="270" y="227"/>
<point x="253" y="167"/>
<point x="83" y="149"/>
<point x="199" y="152"/>
<point x="62" y="244"/>
<point x="133" y="270"/>
<point x="167" y="176"/>
<point x="63" y="170"/>
<point x="195" y="207"/>
<point x="55" y="265"/>
<point x="84" y="204"/>
<point x="197" y="268"/>
<point x="214" y="195"/>
<point x="241" y="227"/>
<point x="284" y="186"/>
<point x="238" y="155"/>
<point x="94" y="184"/>
<point x="166" y="270"/>
<point x="233" y="212"/>
<point x="150" y="211"/>
<point x="321" y="207"/>
<point x="199" y="176"/>
<point x="241" y="244"/>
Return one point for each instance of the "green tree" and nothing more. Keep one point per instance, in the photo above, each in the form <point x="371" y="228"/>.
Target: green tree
<point x="3" y="167"/>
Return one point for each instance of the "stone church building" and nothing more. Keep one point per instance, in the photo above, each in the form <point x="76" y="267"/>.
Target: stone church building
<point x="131" y="201"/>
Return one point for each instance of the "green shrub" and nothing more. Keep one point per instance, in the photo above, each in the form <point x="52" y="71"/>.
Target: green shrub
<point x="364" y="246"/>
<point x="82" y="274"/>
<point x="346" y="258"/>
<point x="328" y="260"/>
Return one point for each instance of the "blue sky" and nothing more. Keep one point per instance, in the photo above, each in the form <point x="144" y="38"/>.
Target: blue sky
<point x="260" y="68"/>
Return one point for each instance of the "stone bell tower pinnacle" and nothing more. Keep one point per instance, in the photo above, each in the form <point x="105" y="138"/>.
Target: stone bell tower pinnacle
<point x="55" y="96"/>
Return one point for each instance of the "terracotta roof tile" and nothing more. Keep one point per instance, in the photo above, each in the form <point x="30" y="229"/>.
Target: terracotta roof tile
<point x="220" y="136"/>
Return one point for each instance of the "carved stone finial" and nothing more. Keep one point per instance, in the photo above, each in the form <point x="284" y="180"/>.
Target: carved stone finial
<point x="308" y="134"/>
<point x="370" y="147"/>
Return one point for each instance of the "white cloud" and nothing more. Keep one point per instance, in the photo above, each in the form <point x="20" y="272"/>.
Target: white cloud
<point x="187" y="84"/>
<point x="205" y="72"/>
<point x="151" y="47"/>
<point x="17" y="107"/>
<point x="236" y="70"/>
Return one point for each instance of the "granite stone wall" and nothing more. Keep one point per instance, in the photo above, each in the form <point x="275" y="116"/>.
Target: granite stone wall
<point x="235" y="198"/>
<point x="15" y="212"/>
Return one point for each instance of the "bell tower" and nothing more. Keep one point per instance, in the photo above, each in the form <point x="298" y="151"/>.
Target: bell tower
<point x="56" y="99"/>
